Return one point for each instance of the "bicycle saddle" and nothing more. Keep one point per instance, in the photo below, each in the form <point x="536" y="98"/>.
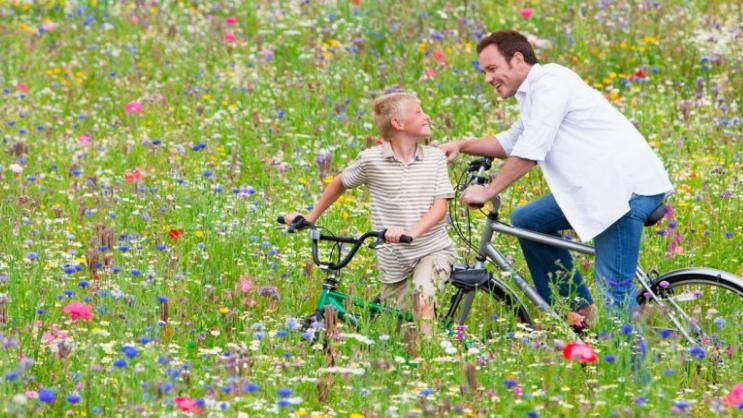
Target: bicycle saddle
<point x="656" y="215"/>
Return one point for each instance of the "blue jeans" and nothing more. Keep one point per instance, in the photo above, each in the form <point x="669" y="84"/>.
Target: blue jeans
<point x="617" y="251"/>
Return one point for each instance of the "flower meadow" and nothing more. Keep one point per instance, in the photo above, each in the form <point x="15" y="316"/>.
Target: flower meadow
<point x="148" y="147"/>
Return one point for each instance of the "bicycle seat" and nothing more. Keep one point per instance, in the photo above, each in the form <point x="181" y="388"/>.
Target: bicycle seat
<point x="469" y="278"/>
<point x="656" y="215"/>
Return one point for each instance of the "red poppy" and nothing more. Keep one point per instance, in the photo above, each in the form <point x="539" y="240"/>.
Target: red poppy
<point x="579" y="352"/>
<point x="175" y="234"/>
<point x="640" y="74"/>
<point x="133" y="176"/>
<point x="187" y="404"/>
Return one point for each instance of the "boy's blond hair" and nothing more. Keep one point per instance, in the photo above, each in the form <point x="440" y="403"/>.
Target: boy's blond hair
<point x="390" y="106"/>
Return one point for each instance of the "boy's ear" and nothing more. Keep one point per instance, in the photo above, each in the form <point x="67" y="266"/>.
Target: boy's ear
<point x="397" y="124"/>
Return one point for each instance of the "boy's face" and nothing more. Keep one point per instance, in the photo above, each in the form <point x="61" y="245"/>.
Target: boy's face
<point x="505" y="76"/>
<point x="414" y="121"/>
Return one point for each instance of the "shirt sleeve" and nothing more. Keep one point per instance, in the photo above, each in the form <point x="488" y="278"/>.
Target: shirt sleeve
<point x="549" y="104"/>
<point x="443" y="187"/>
<point x="354" y="175"/>
<point x="508" y="138"/>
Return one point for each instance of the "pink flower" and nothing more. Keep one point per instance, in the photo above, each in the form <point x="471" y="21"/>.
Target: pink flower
<point x="439" y="56"/>
<point x="517" y="391"/>
<point x="579" y="352"/>
<point x="229" y="37"/>
<point x="133" y="176"/>
<point x="32" y="394"/>
<point x="22" y="87"/>
<point x="55" y="334"/>
<point x="78" y="310"/>
<point x="49" y="26"/>
<point x="735" y="398"/>
<point x="429" y="74"/>
<point x="526" y="12"/>
<point x="246" y="284"/>
<point x="84" y="139"/>
<point x="187" y="404"/>
<point x="230" y="20"/>
<point x="133" y="107"/>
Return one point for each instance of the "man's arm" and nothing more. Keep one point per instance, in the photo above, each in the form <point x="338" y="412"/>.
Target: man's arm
<point x="429" y="219"/>
<point x="513" y="169"/>
<point x="485" y="147"/>
<point x="334" y="190"/>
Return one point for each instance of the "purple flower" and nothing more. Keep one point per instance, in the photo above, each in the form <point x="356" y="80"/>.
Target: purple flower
<point x="47" y="395"/>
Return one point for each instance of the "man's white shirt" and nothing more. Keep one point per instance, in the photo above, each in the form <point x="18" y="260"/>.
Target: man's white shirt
<point x="593" y="158"/>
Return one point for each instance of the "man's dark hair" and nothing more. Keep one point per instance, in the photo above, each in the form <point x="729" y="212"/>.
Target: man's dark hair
<point x="508" y="43"/>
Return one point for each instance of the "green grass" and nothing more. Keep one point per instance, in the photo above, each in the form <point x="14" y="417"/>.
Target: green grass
<point x="299" y="81"/>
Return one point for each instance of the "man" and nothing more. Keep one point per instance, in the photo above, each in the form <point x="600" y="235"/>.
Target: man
<point x="603" y="177"/>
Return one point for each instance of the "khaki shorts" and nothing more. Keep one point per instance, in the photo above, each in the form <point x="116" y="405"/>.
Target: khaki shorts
<point x="428" y="278"/>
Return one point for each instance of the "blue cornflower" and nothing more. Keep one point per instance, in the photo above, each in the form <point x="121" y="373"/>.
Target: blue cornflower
<point x="120" y="363"/>
<point x="47" y="395"/>
<point x="697" y="352"/>
<point x="284" y="392"/>
<point x="129" y="351"/>
<point x="626" y="329"/>
<point x="251" y="387"/>
<point x="73" y="398"/>
<point x="610" y="358"/>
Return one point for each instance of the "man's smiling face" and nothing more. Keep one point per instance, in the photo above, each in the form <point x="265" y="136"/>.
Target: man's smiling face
<point x="506" y="77"/>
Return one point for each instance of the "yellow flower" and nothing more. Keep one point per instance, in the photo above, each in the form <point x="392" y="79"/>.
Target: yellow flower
<point x="623" y="45"/>
<point x="199" y="233"/>
<point x="224" y="310"/>
<point x="356" y="415"/>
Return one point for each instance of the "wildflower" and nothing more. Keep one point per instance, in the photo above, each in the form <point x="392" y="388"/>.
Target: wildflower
<point x="133" y="176"/>
<point x="230" y="20"/>
<point x="626" y="329"/>
<point x="129" y="351"/>
<point x="610" y="358"/>
<point x="133" y="107"/>
<point x="229" y="37"/>
<point x="284" y="392"/>
<point x="73" y="398"/>
<point x="579" y="352"/>
<point x="22" y="87"/>
<point x="78" y="310"/>
<point x="187" y="404"/>
<point x="251" y="387"/>
<point x="697" y="351"/>
<point x="175" y="234"/>
<point x="16" y="168"/>
<point x="734" y="399"/>
<point x="47" y="395"/>
<point x="120" y="363"/>
<point x="84" y="139"/>
<point x="526" y="12"/>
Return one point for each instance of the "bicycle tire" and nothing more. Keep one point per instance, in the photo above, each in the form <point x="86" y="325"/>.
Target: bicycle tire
<point x="709" y="297"/>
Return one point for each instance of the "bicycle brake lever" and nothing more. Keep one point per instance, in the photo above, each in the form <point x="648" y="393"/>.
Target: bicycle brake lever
<point x="379" y="242"/>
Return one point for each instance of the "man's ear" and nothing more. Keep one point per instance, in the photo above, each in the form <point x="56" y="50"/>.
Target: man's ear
<point x="517" y="58"/>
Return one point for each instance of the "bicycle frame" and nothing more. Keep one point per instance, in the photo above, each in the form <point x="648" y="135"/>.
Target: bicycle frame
<point x="487" y="250"/>
<point x="330" y="296"/>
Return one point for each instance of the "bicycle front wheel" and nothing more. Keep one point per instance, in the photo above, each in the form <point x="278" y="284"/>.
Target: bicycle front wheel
<point x="698" y="306"/>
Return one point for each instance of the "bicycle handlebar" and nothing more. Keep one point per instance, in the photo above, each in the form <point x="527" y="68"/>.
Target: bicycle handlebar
<point x="300" y="223"/>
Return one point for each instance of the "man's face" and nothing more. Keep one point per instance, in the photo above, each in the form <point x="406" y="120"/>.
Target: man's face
<point x="414" y="120"/>
<point x="505" y="76"/>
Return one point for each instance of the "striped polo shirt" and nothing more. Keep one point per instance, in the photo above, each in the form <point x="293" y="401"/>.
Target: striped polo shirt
<point x="401" y="194"/>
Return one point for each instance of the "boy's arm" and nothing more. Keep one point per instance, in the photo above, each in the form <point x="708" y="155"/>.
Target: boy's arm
<point x="334" y="190"/>
<point x="430" y="218"/>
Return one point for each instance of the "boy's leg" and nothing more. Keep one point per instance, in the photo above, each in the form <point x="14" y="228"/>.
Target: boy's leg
<point x="546" y="262"/>
<point x="429" y="276"/>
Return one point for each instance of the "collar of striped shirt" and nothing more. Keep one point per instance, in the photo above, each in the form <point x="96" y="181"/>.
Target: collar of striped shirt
<point x="388" y="152"/>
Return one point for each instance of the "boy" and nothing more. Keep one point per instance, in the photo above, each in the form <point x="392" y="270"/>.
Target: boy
<point x="409" y="187"/>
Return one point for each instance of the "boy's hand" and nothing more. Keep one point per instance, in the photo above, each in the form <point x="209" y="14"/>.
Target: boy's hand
<point x="393" y="235"/>
<point x="451" y="150"/>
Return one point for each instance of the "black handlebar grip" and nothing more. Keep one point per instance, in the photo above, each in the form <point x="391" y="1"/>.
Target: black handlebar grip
<point x="406" y="239"/>
<point x="280" y="219"/>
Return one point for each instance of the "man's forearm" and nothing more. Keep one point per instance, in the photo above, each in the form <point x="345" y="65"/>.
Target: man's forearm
<point x="486" y="147"/>
<point x="430" y="218"/>
<point x="513" y="169"/>
<point x="334" y="190"/>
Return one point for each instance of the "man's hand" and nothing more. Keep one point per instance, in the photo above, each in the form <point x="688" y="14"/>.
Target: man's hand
<point x="393" y="235"/>
<point x="474" y="197"/>
<point x="289" y="217"/>
<point x="451" y="150"/>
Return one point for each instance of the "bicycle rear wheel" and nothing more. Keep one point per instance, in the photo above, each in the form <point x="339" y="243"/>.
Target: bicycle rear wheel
<point x="488" y="312"/>
<point x="705" y="303"/>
